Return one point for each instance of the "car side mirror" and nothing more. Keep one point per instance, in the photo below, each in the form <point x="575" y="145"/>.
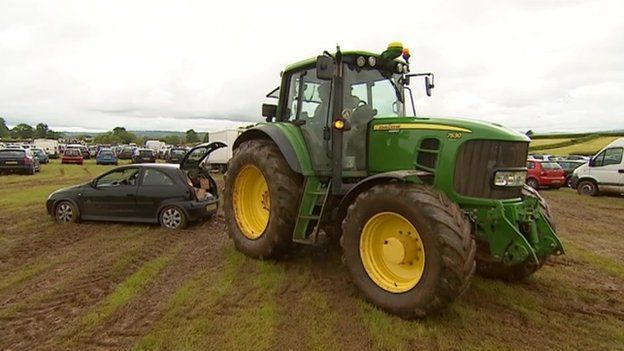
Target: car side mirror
<point x="269" y="111"/>
<point x="94" y="183"/>
<point x="592" y="163"/>
<point x="325" y="67"/>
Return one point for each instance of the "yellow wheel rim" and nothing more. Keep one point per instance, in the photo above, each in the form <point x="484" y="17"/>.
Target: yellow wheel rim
<point x="392" y="252"/>
<point x="251" y="202"/>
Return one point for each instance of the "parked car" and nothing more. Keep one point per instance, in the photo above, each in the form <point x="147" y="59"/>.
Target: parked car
<point x="41" y="155"/>
<point x="568" y="167"/>
<point x="16" y="160"/>
<point x="603" y="173"/>
<point x="72" y="156"/>
<point x="577" y="158"/>
<point x="106" y="157"/>
<point x="83" y="150"/>
<point x="125" y="153"/>
<point x="153" y="193"/>
<point x="544" y="174"/>
<point x="144" y="156"/>
<point x="175" y="155"/>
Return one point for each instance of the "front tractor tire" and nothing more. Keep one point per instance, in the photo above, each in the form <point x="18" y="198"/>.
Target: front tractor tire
<point x="262" y="196"/>
<point x="520" y="271"/>
<point x="408" y="248"/>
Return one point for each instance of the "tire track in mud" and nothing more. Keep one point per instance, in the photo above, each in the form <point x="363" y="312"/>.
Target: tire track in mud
<point x="200" y="251"/>
<point x="317" y="297"/>
<point x="68" y="264"/>
<point x="38" y="323"/>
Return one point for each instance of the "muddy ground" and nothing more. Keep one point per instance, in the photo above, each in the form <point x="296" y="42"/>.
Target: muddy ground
<point x="107" y="286"/>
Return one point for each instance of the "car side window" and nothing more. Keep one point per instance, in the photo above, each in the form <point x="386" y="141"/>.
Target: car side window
<point x="530" y="165"/>
<point x="120" y="177"/>
<point x="612" y="156"/>
<point x="607" y="157"/>
<point x="153" y="177"/>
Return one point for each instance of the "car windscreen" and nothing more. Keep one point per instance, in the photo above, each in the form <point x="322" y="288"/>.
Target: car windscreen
<point x="550" y="165"/>
<point x="146" y="153"/>
<point x="11" y="153"/>
<point x="178" y="152"/>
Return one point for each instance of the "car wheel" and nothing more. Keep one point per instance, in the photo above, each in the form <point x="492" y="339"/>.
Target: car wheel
<point x="569" y="181"/>
<point x="32" y="171"/>
<point x="533" y="183"/>
<point x="66" y="212"/>
<point x="587" y="187"/>
<point x="172" y="217"/>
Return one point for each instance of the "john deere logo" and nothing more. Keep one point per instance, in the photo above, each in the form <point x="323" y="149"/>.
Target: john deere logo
<point x="454" y="135"/>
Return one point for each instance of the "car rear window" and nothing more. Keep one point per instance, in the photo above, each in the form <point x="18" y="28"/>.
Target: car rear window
<point x="550" y="165"/>
<point x="11" y="153"/>
<point x="106" y="153"/>
<point x="72" y="152"/>
<point x="146" y="153"/>
<point x="178" y="152"/>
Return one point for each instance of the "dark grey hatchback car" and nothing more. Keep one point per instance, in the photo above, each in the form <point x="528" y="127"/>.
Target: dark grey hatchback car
<point x="168" y="194"/>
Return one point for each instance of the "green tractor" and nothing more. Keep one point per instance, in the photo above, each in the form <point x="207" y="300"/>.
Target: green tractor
<point x="417" y="203"/>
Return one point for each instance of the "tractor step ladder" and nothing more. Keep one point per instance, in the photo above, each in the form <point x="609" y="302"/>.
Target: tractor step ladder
<point x="311" y="209"/>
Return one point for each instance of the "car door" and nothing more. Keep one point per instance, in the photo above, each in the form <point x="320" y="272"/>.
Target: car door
<point x="606" y="168"/>
<point x="157" y="187"/>
<point x="112" y="195"/>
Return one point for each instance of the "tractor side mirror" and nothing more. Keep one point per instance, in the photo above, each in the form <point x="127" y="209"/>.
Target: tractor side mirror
<point x="325" y="67"/>
<point x="428" y="85"/>
<point x="269" y="111"/>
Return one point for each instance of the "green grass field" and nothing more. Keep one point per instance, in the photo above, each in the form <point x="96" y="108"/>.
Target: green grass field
<point x="588" y="147"/>
<point x="114" y="286"/>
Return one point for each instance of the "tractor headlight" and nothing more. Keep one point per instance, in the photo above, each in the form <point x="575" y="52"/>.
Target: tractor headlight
<point x="399" y="67"/>
<point x="360" y="61"/>
<point x="509" y="178"/>
<point x="372" y="61"/>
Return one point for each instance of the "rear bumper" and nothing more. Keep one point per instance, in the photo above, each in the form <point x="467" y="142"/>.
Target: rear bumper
<point x="17" y="168"/>
<point x="106" y="162"/>
<point x="69" y="160"/>
<point x="200" y="209"/>
<point x="552" y="181"/>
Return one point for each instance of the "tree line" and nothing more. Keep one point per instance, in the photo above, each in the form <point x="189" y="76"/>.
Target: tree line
<point x="25" y="131"/>
<point x="119" y="135"/>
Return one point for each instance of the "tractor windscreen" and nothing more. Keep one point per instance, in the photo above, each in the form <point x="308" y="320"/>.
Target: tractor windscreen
<point x="369" y="89"/>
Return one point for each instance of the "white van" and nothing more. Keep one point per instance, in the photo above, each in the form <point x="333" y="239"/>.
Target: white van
<point x="604" y="172"/>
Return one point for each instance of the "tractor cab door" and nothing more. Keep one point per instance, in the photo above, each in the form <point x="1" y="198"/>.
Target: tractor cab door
<point x="307" y="104"/>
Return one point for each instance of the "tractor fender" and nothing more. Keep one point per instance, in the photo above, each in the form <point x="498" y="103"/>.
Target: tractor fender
<point x="278" y="137"/>
<point x="404" y="176"/>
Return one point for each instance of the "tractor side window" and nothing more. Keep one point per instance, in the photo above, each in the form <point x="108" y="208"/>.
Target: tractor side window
<point x="314" y="96"/>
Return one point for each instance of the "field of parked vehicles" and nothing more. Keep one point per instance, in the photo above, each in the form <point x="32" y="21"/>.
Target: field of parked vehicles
<point x="120" y="286"/>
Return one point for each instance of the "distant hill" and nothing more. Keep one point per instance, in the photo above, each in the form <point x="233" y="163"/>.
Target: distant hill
<point x="155" y="134"/>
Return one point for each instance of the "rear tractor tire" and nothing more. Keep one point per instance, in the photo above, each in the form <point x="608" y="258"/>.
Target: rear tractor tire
<point x="262" y="196"/>
<point x="408" y="248"/>
<point x="520" y="271"/>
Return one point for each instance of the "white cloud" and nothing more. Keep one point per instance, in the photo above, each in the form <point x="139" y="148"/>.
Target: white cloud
<point x="544" y="65"/>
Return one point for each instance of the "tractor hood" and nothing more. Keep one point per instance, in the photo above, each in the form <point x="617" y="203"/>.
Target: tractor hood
<point x="455" y="128"/>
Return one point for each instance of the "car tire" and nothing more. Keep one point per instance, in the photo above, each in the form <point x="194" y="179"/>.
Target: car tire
<point x="32" y="171"/>
<point x="172" y="218"/>
<point x="66" y="212"/>
<point x="533" y="183"/>
<point x="587" y="187"/>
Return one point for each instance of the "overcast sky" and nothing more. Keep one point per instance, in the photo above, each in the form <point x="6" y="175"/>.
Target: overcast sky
<point x="173" y="65"/>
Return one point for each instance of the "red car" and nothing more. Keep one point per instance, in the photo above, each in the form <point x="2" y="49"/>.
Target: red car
<point x="544" y="173"/>
<point x="72" y="156"/>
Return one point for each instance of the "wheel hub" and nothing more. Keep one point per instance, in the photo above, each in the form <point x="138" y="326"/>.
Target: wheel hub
<point x="251" y="201"/>
<point x="392" y="252"/>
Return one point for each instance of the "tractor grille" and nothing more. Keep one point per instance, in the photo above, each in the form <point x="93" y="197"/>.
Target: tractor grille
<point x="478" y="159"/>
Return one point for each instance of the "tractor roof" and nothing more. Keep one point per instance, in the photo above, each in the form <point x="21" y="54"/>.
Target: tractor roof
<point x="312" y="60"/>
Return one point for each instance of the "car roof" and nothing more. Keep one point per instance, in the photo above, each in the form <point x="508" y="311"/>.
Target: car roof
<point x="152" y="165"/>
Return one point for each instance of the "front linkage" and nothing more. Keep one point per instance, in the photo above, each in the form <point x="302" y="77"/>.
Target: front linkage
<point x="516" y="232"/>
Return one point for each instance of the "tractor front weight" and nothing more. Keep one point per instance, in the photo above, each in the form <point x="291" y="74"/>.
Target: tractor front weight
<point x="515" y="231"/>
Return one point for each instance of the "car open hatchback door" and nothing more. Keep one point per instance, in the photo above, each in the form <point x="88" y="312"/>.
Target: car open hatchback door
<point x="196" y="156"/>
